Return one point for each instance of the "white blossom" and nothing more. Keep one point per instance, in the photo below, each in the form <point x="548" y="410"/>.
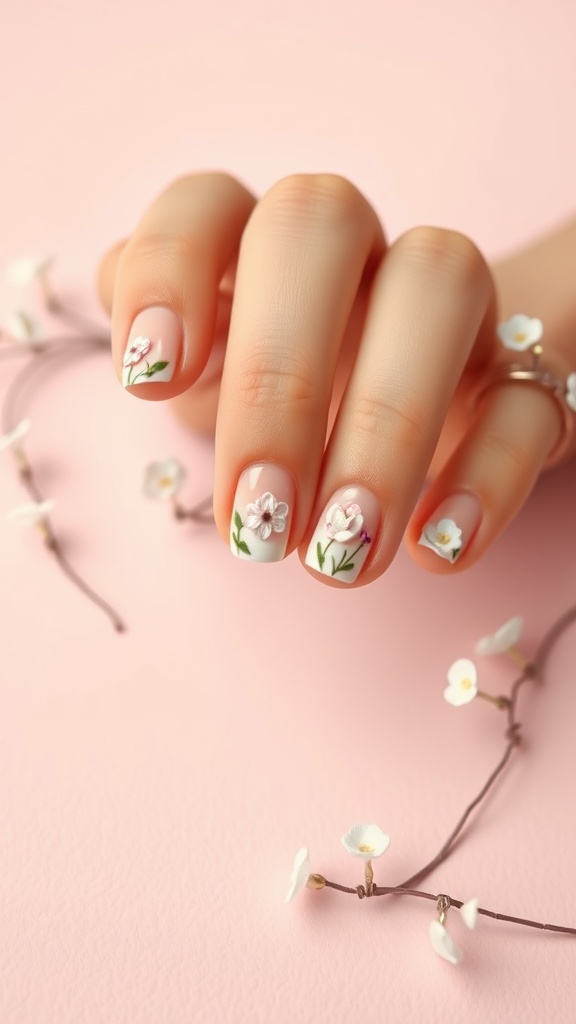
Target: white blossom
<point x="25" y="327"/>
<point x="366" y="841"/>
<point x="469" y="912"/>
<point x="31" y="513"/>
<point x="265" y="515"/>
<point x="462" y="682"/>
<point x="164" y="479"/>
<point x="27" y="269"/>
<point x="13" y="437"/>
<point x="571" y="391"/>
<point x="520" y="332"/>
<point x="503" y="639"/>
<point x="300" y="874"/>
<point x="443" y="943"/>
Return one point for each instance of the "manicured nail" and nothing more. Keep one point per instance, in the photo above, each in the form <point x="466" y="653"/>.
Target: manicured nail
<point x="452" y="527"/>
<point x="341" y="541"/>
<point x="153" y="347"/>
<point x="262" y="512"/>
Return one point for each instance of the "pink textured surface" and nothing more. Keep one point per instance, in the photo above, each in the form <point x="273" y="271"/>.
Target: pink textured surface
<point x="155" y="787"/>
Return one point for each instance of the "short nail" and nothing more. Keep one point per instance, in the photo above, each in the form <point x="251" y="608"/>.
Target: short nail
<point x="262" y="512"/>
<point x="341" y="541"/>
<point x="153" y="348"/>
<point x="449" y="531"/>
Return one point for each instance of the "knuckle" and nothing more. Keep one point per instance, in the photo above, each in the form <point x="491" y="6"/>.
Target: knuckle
<point x="329" y="198"/>
<point x="393" y="420"/>
<point x="276" y="379"/>
<point x="158" y="264"/>
<point x="506" y="452"/>
<point x="443" y="251"/>
<point x="171" y="248"/>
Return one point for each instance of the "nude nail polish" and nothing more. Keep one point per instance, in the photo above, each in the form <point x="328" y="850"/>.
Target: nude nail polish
<point x="153" y="348"/>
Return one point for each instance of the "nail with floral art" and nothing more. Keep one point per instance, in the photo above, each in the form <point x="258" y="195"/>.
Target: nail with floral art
<point x="261" y="513"/>
<point x="153" y="347"/>
<point x="341" y="540"/>
<point x="444" y="538"/>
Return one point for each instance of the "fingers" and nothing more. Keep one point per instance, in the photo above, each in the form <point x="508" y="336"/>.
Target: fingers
<point x="432" y="297"/>
<point x="301" y="262"/>
<point x="488" y="478"/>
<point x="164" y="283"/>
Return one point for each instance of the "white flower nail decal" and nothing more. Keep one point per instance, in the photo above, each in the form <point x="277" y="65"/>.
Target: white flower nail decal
<point x="366" y="841"/>
<point x="342" y="524"/>
<point x="264" y="517"/>
<point x="135" y="352"/>
<point x="503" y="639"/>
<point x="571" y="391"/>
<point x="462" y="683"/>
<point x="443" y="943"/>
<point x="13" y="437"/>
<point x="444" y="538"/>
<point x="469" y="912"/>
<point x="31" y="513"/>
<point x="164" y="479"/>
<point x="520" y="332"/>
<point x="300" y="874"/>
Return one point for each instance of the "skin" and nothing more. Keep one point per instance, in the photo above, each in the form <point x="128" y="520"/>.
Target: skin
<point x="313" y="343"/>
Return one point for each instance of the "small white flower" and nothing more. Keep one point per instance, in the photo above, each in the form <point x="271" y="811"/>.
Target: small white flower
<point x="24" y="271"/>
<point x="265" y="515"/>
<point x="571" y="391"/>
<point x="24" y="326"/>
<point x="164" y="479"/>
<point x="13" y="437"/>
<point x="503" y="639"/>
<point x="462" y="680"/>
<point x="344" y="522"/>
<point x="31" y="513"/>
<point x="469" y="912"/>
<point x="300" y="874"/>
<point x="445" y="538"/>
<point x="366" y="841"/>
<point x="443" y="943"/>
<point x="136" y="350"/>
<point x="520" y="332"/>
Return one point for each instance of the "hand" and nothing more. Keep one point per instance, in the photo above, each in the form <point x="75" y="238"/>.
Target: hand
<point x="338" y="373"/>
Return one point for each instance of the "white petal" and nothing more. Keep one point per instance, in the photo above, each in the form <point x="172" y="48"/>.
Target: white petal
<point x="27" y="269"/>
<point x="505" y="637"/>
<point x="529" y="329"/>
<point x="457" y="695"/>
<point x="443" y="943"/>
<point x="30" y="513"/>
<point x="24" y="326"/>
<point x="375" y="841"/>
<point x="267" y="502"/>
<point x="264" y="529"/>
<point x="469" y="911"/>
<point x="300" y="874"/>
<point x="461" y="669"/>
<point x="253" y="520"/>
<point x="337" y="518"/>
<point x="571" y="391"/>
<point x="15" y="435"/>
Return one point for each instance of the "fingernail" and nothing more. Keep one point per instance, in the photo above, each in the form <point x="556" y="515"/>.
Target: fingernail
<point x="153" y="347"/>
<point x="341" y="541"/>
<point x="452" y="526"/>
<point x="262" y="513"/>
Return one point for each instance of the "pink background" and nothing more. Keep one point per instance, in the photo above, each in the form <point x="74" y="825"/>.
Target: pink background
<point x="155" y="786"/>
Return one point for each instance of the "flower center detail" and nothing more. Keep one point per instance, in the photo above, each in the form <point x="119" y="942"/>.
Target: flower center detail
<point x="364" y="848"/>
<point x="520" y="336"/>
<point x="466" y="684"/>
<point x="443" y="538"/>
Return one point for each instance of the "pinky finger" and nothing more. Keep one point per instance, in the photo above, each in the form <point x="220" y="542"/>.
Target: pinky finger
<point x="487" y="480"/>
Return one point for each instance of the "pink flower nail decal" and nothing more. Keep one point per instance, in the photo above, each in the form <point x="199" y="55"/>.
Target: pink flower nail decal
<point x="136" y="351"/>
<point x="264" y="517"/>
<point x="343" y="523"/>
